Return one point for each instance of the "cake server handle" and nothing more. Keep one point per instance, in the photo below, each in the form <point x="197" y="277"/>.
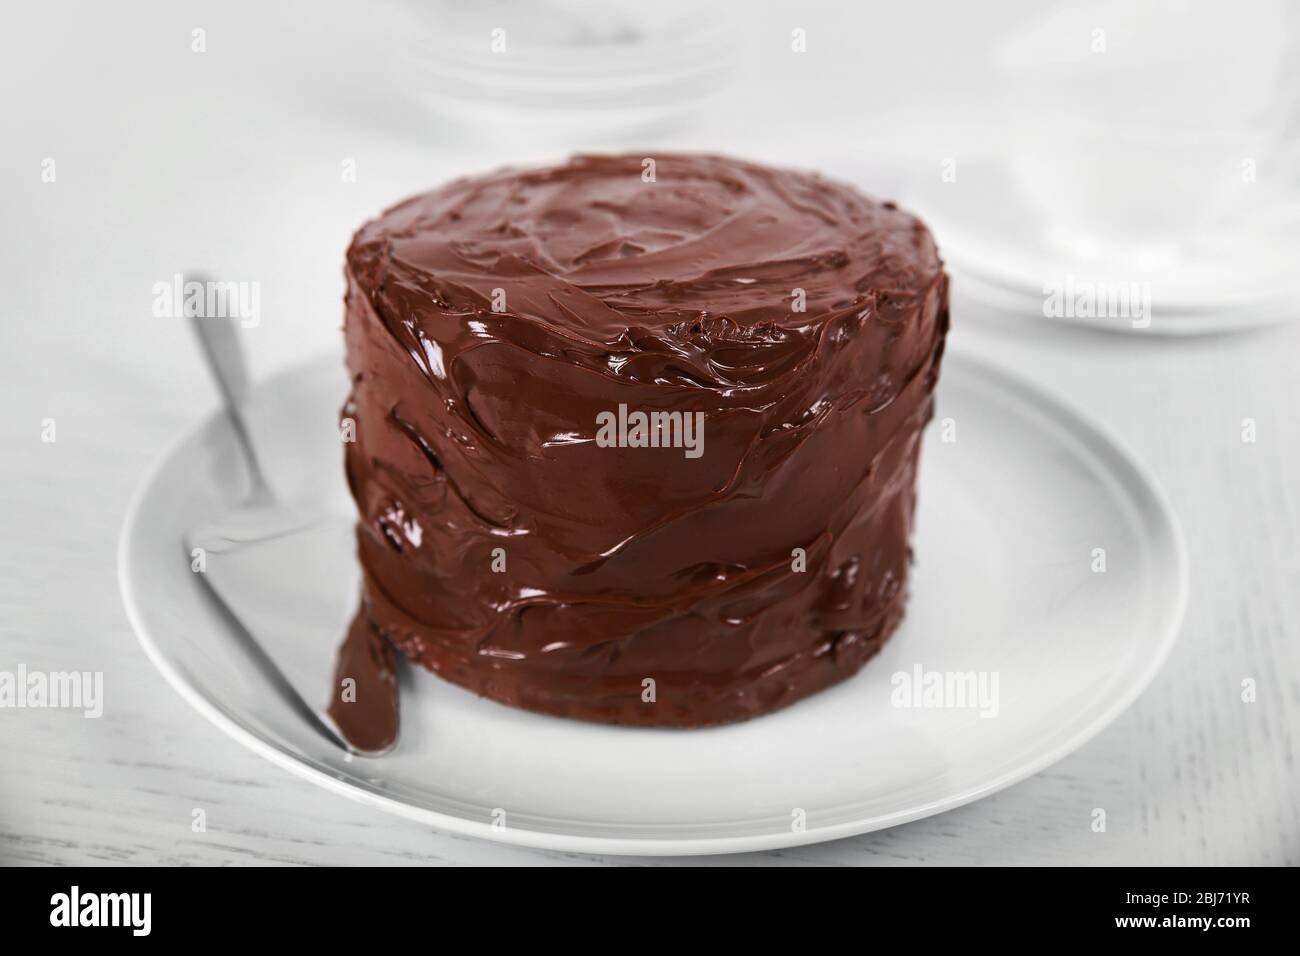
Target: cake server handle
<point x="219" y="342"/>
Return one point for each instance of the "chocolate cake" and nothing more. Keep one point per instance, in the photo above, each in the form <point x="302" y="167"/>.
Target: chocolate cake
<point x="637" y="441"/>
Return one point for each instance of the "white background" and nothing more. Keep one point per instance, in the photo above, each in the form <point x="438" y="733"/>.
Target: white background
<point x="230" y="161"/>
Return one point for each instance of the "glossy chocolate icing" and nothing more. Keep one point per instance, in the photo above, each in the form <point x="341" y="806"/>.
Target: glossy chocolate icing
<point x="626" y="565"/>
<point x="364" y="705"/>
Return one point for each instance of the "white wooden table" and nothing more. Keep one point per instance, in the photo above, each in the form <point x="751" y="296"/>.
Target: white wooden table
<point x="167" y="162"/>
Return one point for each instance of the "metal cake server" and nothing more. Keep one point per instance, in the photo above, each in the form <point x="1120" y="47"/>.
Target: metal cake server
<point x="265" y="561"/>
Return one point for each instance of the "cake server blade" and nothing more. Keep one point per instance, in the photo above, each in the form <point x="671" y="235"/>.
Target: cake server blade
<point x="286" y="582"/>
<point x="283" y="577"/>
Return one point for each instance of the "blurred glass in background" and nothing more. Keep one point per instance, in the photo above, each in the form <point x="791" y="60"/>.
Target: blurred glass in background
<point x="566" y="71"/>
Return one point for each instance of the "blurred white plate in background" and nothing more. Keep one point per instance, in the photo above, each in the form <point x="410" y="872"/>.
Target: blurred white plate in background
<point x="1005" y="250"/>
<point x="1147" y="147"/>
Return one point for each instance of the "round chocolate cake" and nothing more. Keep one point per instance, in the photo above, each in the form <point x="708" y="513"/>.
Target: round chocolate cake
<point x="637" y="439"/>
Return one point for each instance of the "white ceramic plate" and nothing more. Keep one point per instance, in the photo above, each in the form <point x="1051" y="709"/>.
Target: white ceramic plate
<point x="1010" y="514"/>
<point x="998" y="245"/>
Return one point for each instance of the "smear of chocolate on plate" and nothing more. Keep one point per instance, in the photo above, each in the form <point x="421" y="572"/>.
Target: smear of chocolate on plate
<point x="364" y="705"/>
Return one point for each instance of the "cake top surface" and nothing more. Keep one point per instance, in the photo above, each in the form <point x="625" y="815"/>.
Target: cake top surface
<point x="598" y="246"/>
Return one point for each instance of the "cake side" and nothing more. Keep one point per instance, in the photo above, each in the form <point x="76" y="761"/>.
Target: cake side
<point x="491" y="326"/>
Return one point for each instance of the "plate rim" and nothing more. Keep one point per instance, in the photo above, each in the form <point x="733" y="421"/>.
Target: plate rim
<point x="1082" y="426"/>
<point x="1024" y="305"/>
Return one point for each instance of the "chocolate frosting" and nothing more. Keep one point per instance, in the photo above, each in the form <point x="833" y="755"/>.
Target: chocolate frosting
<point x="491" y="322"/>
<point x="364" y="705"/>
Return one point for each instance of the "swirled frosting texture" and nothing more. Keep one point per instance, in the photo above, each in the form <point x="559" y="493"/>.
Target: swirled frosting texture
<point x="490" y="322"/>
